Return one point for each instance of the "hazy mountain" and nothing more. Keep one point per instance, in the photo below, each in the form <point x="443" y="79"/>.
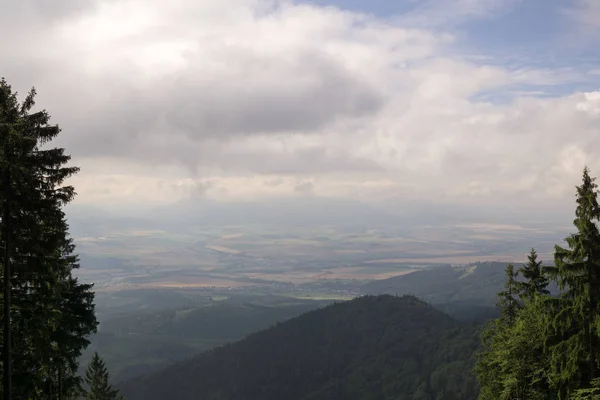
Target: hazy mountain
<point x="468" y="293"/>
<point x="369" y="348"/>
<point x="139" y="342"/>
<point x="476" y="283"/>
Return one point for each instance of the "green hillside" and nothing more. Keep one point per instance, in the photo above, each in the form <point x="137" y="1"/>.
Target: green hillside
<point x="380" y="347"/>
<point x="467" y="293"/>
<point x="134" y="344"/>
<point x="478" y="283"/>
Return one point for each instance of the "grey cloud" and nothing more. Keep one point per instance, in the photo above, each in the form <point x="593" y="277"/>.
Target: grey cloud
<point x="225" y="106"/>
<point x="221" y="94"/>
<point x="267" y="98"/>
<point x="200" y="189"/>
<point x="120" y="126"/>
<point x="309" y="160"/>
<point x="236" y="156"/>
<point x="274" y="182"/>
<point x="43" y="10"/>
<point x="304" y="187"/>
<point x="192" y="119"/>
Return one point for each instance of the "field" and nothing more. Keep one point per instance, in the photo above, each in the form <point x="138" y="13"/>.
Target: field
<point x="245" y="258"/>
<point x="163" y="294"/>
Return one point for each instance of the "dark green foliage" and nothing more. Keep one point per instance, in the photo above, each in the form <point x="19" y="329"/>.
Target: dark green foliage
<point x="591" y="393"/>
<point x="507" y="298"/>
<point x="535" y="281"/>
<point x="550" y="348"/>
<point x="97" y="380"/>
<point x="139" y="343"/>
<point x="574" y="332"/>
<point x="368" y="348"/>
<point x="51" y="312"/>
<point x="512" y="361"/>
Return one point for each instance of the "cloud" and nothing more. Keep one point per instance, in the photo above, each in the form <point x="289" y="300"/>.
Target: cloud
<point x="584" y="25"/>
<point x="140" y="73"/>
<point x="256" y="99"/>
<point x="304" y="187"/>
<point x="586" y="13"/>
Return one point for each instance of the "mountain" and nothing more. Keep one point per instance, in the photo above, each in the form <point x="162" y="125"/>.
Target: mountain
<point x="138" y="343"/>
<point x="369" y="348"/>
<point x="475" y="283"/>
<point x="468" y="293"/>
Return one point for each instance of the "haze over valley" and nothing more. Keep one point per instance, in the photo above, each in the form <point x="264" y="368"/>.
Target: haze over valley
<point x="300" y="199"/>
<point x="289" y="245"/>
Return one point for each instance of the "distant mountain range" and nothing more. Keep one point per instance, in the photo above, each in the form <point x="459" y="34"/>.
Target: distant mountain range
<point x="476" y="283"/>
<point x="468" y="293"/>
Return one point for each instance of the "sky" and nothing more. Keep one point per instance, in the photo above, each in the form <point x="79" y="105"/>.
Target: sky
<point x="493" y="102"/>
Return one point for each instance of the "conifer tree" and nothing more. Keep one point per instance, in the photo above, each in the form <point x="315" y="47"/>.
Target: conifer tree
<point x="51" y="312"/>
<point x="513" y="363"/>
<point x="507" y="298"/>
<point x="535" y="280"/>
<point x="491" y="368"/>
<point x="97" y="378"/>
<point x="553" y="342"/>
<point x="575" y="329"/>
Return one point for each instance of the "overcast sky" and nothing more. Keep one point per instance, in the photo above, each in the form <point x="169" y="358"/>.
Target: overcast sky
<point x="458" y="101"/>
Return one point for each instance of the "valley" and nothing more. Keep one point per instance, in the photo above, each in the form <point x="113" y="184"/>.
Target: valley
<point x="159" y="287"/>
<point x="246" y="259"/>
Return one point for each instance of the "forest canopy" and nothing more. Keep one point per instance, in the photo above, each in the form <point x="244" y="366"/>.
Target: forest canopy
<point x="544" y="346"/>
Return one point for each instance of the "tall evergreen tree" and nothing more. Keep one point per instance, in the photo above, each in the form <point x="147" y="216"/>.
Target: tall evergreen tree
<point x="507" y="298"/>
<point x="491" y="368"/>
<point x="52" y="313"/>
<point x="554" y="342"/>
<point x="97" y="379"/>
<point x="576" y="327"/>
<point x="536" y="281"/>
<point x="513" y="362"/>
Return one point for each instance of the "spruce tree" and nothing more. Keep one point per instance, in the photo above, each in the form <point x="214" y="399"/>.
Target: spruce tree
<point x="553" y="342"/>
<point x="52" y="313"/>
<point x="575" y="329"/>
<point x="507" y="298"/>
<point x="491" y="369"/>
<point x="535" y="282"/>
<point x="97" y="379"/>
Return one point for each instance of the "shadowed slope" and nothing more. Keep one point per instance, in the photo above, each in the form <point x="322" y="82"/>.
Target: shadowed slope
<point x="369" y="348"/>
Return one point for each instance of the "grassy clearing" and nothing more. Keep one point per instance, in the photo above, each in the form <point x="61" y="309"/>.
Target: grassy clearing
<point x="314" y="296"/>
<point x="222" y="249"/>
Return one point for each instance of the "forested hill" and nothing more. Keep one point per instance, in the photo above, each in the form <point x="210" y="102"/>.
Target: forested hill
<point x="478" y="283"/>
<point x="373" y="347"/>
<point x="468" y="293"/>
<point x="138" y="344"/>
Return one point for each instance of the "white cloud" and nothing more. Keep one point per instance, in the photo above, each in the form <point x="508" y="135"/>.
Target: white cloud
<point x="248" y="98"/>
